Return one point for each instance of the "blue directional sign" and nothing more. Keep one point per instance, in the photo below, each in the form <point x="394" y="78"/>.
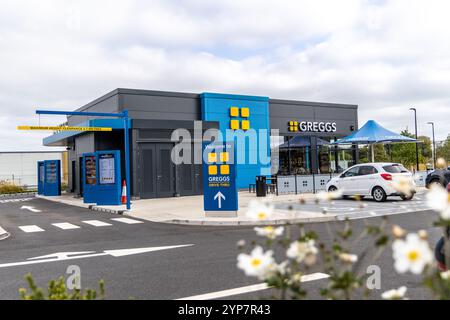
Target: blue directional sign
<point x="219" y="178"/>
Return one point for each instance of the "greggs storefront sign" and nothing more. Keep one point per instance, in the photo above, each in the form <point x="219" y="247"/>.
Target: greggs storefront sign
<point x="311" y="126"/>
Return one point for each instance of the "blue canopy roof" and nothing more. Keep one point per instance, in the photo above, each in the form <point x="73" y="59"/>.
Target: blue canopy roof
<point x="372" y="132"/>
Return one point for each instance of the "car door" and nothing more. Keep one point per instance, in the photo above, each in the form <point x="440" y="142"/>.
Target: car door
<point x="347" y="181"/>
<point x="366" y="179"/>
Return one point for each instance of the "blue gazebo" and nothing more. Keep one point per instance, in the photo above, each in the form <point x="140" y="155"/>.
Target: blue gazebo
<point x="372" y="133"/>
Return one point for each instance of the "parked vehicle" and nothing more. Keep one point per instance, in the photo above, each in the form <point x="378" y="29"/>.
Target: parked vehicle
<point x="372" y="179"/>
<point x="439" y="176"/>
<point x="439" y="250"/>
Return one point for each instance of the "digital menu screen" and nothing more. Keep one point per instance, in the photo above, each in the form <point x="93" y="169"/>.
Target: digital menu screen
<point x="107" y="169"/>
<point x="51" y="172"/>
<point x="90" y="165"/>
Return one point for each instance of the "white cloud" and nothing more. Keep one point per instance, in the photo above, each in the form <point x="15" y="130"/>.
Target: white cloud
<point x="385" y="56"/>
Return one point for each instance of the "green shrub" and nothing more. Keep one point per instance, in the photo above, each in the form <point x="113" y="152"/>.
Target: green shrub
<point x="8" y="188"/>
<point x="57" y="290"/>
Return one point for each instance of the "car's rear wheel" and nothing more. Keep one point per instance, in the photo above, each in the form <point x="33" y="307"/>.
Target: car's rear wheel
<point x="435" y="183"/>
<point x="378" y="194"/>
<point x="407" y="198"/>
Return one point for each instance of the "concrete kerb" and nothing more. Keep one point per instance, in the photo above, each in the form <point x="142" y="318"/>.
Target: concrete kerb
<point x="325" y="218"/>
<point x="4" y="234"/>
<point x="106" y="210"/>
<point x="20" y="194"/>
<point x="310" y="217"/>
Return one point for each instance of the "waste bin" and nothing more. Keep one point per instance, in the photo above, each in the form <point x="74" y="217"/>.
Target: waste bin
<point x="261" y="186"/>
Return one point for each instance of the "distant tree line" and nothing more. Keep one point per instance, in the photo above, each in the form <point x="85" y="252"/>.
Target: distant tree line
<point x="405" y="153"/>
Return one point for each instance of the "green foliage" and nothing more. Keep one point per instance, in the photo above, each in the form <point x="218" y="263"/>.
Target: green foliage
<point x="57" y="290"/>
<point x="443" y="150"/>
<point x="405" y="153"/>
<point x="9" y="188"/>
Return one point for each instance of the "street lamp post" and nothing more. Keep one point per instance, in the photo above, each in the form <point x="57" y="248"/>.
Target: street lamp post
<point x="417" y="146"/>
<point x="434" y="145"/>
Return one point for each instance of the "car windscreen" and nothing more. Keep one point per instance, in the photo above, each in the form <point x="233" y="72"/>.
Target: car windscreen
<point x="395" y="168"/>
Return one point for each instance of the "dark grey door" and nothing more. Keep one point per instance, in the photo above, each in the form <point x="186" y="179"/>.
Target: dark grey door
<point x="190" y="178"/>
<point x="198" y="178"/>
<point x="147" y="175"/>
<point x="165" y="179"/>
<point x="156" y="176"/>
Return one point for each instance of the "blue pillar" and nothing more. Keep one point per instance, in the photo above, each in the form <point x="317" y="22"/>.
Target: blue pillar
<point x="127" y="157"/>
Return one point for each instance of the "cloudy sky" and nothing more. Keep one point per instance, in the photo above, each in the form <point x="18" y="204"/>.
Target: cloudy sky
<point x="385" y="56"/>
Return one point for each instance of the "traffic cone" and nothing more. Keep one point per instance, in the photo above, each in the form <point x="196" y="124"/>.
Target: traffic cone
<point x="124" y="192"/>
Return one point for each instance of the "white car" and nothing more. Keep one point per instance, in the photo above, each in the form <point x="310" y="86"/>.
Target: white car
<point x="374" y="179"/>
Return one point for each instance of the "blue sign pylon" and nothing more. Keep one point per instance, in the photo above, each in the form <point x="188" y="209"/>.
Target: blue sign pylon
<point x="220" y="196"/>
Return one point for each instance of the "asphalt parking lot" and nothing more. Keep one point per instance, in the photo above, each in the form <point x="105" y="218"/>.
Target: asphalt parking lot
<point x="367" y="207"/>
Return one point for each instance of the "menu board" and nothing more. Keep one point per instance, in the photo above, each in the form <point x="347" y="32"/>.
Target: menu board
<point x="51" y="172"/>
<point x="107" y="169"/>
<point x="41" y="172"/>
<point x="90" y="165"/>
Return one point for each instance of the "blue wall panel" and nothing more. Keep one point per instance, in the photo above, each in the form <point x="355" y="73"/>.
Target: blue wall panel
<point x="216" y="107"/>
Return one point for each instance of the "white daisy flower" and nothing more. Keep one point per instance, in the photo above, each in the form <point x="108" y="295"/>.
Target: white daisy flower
<point x="411" y="254"/>
<point x="395" y="294"/>
<point x="441" y="163"/>
<point x="348" y="258"/>
<point x="404" y="185"/>
<point x="258" y="210"/>
<point x="328" y="196"/>
<point x="300" y="250"/>
<point x="439" y="199"/>
<point x="269" y="232"/>
<point x="275" y="268"/>
<point x="445" y="275"/>
<point x="257" y="263"/>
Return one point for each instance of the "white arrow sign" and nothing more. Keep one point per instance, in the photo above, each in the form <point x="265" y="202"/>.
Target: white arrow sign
<point x="32" y="209"/>
<point x="219" y="196"/>
<point x="62" y="256"/>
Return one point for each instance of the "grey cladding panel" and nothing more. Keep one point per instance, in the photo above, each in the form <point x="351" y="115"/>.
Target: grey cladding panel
<point x="161" y="107"/>
<point x="164" y="115"/>
<point x="290" y="111"/>
<point x="110" y="104"/>
<point x="335" y="114"/>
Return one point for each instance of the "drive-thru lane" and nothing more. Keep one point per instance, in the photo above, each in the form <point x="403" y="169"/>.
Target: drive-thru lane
<point x="202" y="261"/>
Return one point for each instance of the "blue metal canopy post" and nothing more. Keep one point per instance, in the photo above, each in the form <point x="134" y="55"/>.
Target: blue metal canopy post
<point x="124" y="116"/>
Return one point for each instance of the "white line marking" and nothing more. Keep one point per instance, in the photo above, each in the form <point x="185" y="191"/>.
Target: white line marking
<point x="127" y="220"/>
<point x="32" y="209"/>
<point x="247" y="289"/>
<point x="97" y="223"/>
<point x="31" y="228"/>
<point x="65" y="225"/>
<point x="62" y="256"/>
<point x="15" y="200"/>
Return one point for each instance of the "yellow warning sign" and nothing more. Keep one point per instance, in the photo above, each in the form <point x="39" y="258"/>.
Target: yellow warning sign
<point x="63" y="128"/>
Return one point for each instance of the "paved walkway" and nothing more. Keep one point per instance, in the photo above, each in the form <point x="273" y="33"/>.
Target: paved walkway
<point x="288" y="209"/>
<point x="189" y="210"/>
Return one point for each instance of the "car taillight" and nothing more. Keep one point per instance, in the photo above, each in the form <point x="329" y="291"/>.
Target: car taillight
<point x="386" y="176"/>
<point x="448" y="187"/>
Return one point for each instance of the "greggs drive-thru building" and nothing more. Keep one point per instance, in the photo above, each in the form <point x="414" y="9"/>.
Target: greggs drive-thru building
<point x="293" y="136"/>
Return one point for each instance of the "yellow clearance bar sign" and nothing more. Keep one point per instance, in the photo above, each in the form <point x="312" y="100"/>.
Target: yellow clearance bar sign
<point x="63" y="128"/>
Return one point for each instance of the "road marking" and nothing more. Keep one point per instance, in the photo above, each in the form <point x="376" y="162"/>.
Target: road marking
<point x="31" y="228"/>
<point x="248" y="289"/>
<point x="65" y="226"/>
<point x="32" y="209"/>
<point x="97" y="223"/>
<point x="127" y="220"/>
<point x="15" y="200"/>
<point x="62" y="256"/>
